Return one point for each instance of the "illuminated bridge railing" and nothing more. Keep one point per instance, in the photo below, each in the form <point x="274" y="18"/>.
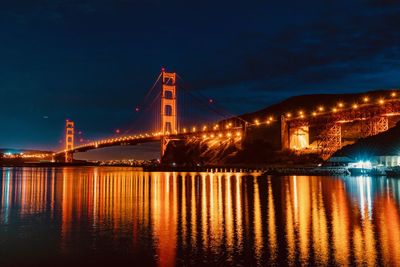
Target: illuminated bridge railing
<point x="390" y="107"/>
<point x="204" y="133"/>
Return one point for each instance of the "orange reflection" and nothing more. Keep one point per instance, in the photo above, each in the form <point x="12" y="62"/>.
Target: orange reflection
<point x="273" y="246"/>
<point x="388" y="218"/>
<point x="295" y="220"/>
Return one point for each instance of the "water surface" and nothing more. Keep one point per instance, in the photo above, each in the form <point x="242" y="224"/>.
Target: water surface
<point x="120" y="216"/>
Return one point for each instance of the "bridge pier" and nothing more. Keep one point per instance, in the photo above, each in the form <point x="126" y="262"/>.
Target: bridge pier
<point x="69" y="157"/>
<point x="294" y="136"/>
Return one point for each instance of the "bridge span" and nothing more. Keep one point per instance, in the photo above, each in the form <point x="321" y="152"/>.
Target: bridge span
<point x="168" y="128"/>
<point x="372" y="118"/>
<point x="317" y="131"/>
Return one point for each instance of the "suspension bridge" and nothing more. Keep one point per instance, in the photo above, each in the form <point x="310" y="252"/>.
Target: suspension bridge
<point x="372" y="116"/>
<point x="167" y="126"/>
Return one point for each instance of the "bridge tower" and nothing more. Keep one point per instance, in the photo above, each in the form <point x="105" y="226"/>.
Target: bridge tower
<point x="169" y="123"/>
<point x="69" y="140"/>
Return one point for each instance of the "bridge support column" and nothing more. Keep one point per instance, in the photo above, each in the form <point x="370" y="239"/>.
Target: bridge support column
<point x="69" y="140"/>
<point x="284" y="133"/>
<point x="330" y="140"/>
<point x="374" y="126"/>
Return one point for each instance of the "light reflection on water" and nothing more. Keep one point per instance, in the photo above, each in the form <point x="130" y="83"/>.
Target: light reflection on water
<point x="120" y="215"/>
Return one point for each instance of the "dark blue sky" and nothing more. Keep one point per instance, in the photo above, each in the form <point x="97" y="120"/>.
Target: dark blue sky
<point x="93" y="61"/>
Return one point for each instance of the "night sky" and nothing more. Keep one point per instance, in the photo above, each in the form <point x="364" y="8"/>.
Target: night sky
<point x="92" y="61"/>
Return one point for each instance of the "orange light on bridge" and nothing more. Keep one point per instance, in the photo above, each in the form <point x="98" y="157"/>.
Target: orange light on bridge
<point x="229" y="134"/>
<point x="320" y="108"/>
<point x="271" y="118"/>
<point x="184" y="130"/>
<point x="256" y="122"/>
<point x="381" y="101"/>
<point x="204" y="127"/>
<point x="340" y="105"/>
<point x="194" y="129"/>
<point x="366" y="99"/>
<point x="314" y="113"/>
<point x="302" y="116"/>
<point x="355" y="106"/>
<point x="268" y="122"/>
<point x="220" y="135"/>
<point x="288" y="115"/>
<point x="238" y="134"/>
<point x="334" y="110"/>
<point x="393" y="94"/>
<point x="204" y="136"/>
<point x="301" y="112"/>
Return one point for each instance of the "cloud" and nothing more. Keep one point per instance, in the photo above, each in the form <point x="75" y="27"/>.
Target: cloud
<point x="321" y="52"/>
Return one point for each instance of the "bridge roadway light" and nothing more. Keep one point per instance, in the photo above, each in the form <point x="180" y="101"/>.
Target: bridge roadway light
<point x="381" y="101"/>
<point x="288" y="115"/>
<point x="314" y="113"/>
<point x="365" y="99"/>
<point x="340" y="105"/>
<point x="393" y="94"/>
<point x="334" y="110"/>
<point x="355" y="106"/>
<point x="321" y="108"/>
